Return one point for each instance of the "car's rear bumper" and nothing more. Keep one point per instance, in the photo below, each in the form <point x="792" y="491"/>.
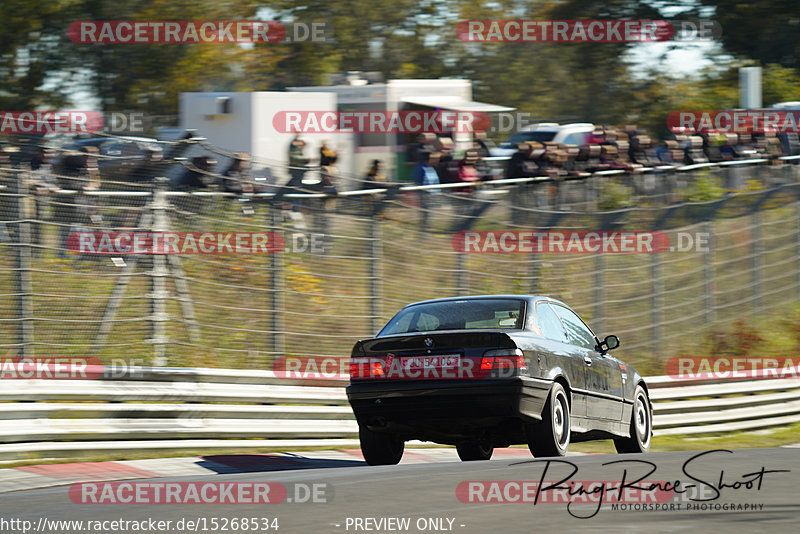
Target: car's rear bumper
<point x="447" y="403"/>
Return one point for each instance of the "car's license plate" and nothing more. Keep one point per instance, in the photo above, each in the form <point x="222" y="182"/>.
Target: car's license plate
<point x="429" y="361"/>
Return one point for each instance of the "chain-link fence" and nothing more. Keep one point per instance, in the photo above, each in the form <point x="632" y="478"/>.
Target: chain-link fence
<point x="349" y="261"/>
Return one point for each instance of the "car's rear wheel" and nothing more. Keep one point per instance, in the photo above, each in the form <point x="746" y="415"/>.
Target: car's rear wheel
<point x="641" y="425"/>
<point x="550" y="436"/>
<point x="470" y="451"/>
<point x="380" y="448"/>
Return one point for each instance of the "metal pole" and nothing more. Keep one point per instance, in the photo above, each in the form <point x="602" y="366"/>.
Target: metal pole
<point x="535" y="274"/>
<point x="276" y="290"/>
<point x="657" y="289"/>
<point x="758" y="303"/>
<point x="708" y="273"/>
<point x="24" y="280"/>
<point x="159" y="294"/>
<point x="461" y="275"/>
<point x="599" y="277"/>
<point x="797" y="242"/>
<point x="375" y="272"/>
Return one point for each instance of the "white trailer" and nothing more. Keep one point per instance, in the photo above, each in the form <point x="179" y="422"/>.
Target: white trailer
<point x="243" y="122"/>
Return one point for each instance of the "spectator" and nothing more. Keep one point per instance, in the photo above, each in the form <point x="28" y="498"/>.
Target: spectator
<point x="297" y="169"/>
<point x="41" y="183"/>
<point x="194" y="175"/>
<point x="425" y="174"/>
<point x="609" y="158"/>
<point x="463" y="197"/>
<point x="728" y="149"/>
<point x="236" y="178"/>
<point x="482" y="144"/>
<point x="640" y="152"/>
<point x="790" y="144"/>
<point x="374" y="178"/>
<point x="520" y="164"/>
<point x="467" y="172"/>
<point x="693" y="152"/>
<point x="425" y="143"/>
<point x="145" y="169"/>
<point x="327" y="162"/>
<point x="79" y="173"/>
<point x="7" y="190"/>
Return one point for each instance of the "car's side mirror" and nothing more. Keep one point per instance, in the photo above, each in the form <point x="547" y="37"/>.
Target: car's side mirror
<point x="609" y="343"/>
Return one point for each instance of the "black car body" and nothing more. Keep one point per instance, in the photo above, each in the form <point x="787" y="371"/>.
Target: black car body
<point x="492" y="371"/>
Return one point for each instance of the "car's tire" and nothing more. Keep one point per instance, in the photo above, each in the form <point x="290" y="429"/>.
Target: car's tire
<point x="641" y="425"/>
<point x="550" y="436"/>
<point x="470" y="451"/>
<point x="380" y="448"/>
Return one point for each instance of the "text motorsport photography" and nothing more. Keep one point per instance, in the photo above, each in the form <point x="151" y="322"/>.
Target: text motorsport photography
<point x="631" y="485"/>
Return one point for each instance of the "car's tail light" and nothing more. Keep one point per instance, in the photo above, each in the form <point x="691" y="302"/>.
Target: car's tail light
<point x="365" y="368"/>
<point x="503" y="359"/>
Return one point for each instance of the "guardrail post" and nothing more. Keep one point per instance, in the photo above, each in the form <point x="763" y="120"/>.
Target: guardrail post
<point x="708" y="273"/>
<point x="656" y="303"/>
<point x="758" y="303"/>
<point x="24" y="281"/>
<point x="375" y="272"/>
<point x="276" y="290"/>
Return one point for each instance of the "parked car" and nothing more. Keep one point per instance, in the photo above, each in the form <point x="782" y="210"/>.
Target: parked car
<point x="546" y="132"/>
<point x="492" y="371"/>
<point x="130" y="158"/>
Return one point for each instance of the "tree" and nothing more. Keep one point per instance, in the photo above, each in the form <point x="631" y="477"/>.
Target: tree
<point x="767" y="31"/>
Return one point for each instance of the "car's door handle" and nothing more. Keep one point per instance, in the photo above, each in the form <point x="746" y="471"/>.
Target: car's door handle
<point x="587" y="360"/>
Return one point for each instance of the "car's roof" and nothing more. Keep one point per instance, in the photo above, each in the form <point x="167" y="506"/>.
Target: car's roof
<point x="555" y="127"/>
<point x="101" y="140"/>
<point x="487" y="297"/>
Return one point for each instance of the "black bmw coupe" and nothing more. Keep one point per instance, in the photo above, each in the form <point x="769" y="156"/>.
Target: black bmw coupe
<point x="492" y="371"/>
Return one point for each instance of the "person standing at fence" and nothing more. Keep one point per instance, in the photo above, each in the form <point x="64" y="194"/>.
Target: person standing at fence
<point x="425" y="174"/>
<point x="464" y="197"/>
<point x="328" y="172"/>
<point x="236" y="178"/>
<point x="6" y="195"/>
<point x="298" y="165"/>
<point x="41" y="183"/>
<point x="73" y="211"/>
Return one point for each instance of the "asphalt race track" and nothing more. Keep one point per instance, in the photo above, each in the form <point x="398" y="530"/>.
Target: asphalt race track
<point x="742" y="492"/>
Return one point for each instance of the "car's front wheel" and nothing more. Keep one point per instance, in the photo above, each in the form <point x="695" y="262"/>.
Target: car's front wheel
<point x="550" y="436"/>
<point x="641" y="425"/>
<point x="380" y="448"/>
<point x="469" y="451"/>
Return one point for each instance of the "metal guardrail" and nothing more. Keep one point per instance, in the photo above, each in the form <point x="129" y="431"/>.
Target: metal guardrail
<point x="186" y="409"/>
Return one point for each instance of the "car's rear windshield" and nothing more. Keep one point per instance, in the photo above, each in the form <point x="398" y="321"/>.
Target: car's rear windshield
<point x="457" y="315"/>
